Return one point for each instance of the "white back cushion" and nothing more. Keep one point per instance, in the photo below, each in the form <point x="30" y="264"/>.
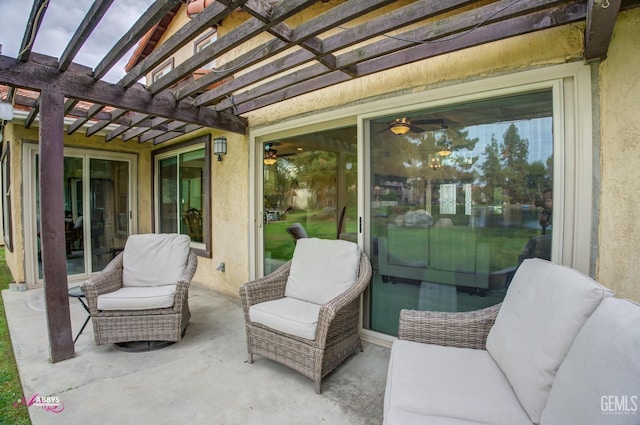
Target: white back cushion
<point x="545" y="307"/>
<point x="599" y="381"/>
<point x="154" y="259"/>
<point x="322" y="269"/>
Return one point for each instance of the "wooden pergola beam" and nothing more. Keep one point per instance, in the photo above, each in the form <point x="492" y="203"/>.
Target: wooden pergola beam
<point x="559" y="15"/>
<point x="153" y="15"/>
<point x="207" y="18"/>
<point x="336" y="16"/>
<point x="601" y="18"/>
<point x="92" y="18"/>
<point x="38" y="77"/>
<point x="52" y="237"/>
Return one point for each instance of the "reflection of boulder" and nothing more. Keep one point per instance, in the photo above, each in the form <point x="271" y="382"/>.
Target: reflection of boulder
<point x="418" y="218"/>
<point x="444" y="222"/>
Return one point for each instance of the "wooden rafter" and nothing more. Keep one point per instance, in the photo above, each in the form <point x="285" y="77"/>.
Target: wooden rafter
<point x="601" y="18"/>
<point x="316" y="53"/>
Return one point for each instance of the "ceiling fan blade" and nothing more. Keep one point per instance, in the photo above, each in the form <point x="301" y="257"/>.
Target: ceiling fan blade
<point x="416" y="129"/>
<point x="430" y="121"/>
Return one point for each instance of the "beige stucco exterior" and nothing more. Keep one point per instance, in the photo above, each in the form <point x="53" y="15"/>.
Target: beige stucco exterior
<point x="616" y="136"/>
<point x="618" y="265"/>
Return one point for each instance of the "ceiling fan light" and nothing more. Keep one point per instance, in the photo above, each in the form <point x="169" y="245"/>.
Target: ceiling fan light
<point x="444" y="151"/>
<point x="270" y="156"/>
<point x="400" y="128"/>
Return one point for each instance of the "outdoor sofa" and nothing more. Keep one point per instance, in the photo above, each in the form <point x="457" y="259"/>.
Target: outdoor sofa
<point x="559" y="350"/>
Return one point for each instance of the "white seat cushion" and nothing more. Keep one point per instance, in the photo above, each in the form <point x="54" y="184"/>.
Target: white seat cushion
<point x="545" y="307"/>
<point x="154" y="259"/>
<point x="599" y="381"/>
<point x="322" y="269"/>
<point x="288" y="315"/>
<point x="457" y="383"/>
<point x="138" y="298"/>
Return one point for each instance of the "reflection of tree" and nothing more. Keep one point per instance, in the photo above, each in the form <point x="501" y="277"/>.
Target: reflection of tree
<point x="515" y="151"/>
<point x="507" y="169"/>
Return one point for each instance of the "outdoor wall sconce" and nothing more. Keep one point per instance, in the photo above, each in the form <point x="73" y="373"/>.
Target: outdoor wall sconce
<point x="220" y="147"/>
<point x="6" y="111"/>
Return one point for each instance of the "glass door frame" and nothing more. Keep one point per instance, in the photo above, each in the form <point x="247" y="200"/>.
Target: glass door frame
<point x="30" y="152"/>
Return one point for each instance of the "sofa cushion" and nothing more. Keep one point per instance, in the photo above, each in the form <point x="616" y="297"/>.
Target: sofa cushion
<point x="154" y="259"/>
<point x="288" y="315"/>
<point x="545" y="307"/>
<point x="404" y="417"/>
<point x="138" y="298"/>
<point x="322" y="269"/>
<point x="458" y="383"/>
<point x="599" y="381"/>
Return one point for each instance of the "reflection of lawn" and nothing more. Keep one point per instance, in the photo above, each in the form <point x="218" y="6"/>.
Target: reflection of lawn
<point x="318" y="224"/>
<point x="450" y="246"/>
<point x="505" y="243"/>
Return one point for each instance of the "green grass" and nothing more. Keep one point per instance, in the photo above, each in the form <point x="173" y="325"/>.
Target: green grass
<point x="10" y="388"/>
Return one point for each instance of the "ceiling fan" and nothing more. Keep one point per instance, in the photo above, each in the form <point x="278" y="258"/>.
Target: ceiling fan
<point x="403" y="125"/>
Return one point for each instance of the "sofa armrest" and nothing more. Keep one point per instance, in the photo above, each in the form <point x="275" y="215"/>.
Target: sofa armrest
<point x="343" y="311"/>
<point x="108" y="280"/>
<point x="464" y="330"/>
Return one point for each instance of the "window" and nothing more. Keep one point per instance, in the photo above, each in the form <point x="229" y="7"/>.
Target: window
<point x="182" y="192"/>
<point x="162" y="70"/>
<point x="205" y="41"/>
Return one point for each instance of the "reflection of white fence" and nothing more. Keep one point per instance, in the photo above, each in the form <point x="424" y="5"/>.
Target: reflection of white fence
<point x="378" y="204"/>
<point x="448" y="198"/>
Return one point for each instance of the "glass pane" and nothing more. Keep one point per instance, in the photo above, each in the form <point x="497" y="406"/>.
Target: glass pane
<point x="308" y="181"/>
<point x="109" y="208"/>
<point x="192" y="193"/>
<point x="460" y="196"/>
<point x="73" y="221"/>
<point x="168" y="196"/>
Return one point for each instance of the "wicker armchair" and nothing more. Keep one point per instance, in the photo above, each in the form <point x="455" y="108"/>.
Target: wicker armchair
<point x="150" y="324"/>
<point x="463" y="330"/>
<point x="336" y="336"/>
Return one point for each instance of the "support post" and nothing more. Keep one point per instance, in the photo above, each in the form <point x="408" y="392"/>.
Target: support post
<point x="52" y="238"/>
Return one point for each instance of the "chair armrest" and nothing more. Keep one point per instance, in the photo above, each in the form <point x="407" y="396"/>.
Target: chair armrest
<point x="464" y="330"/>
<point x="185" y="281"/>
<point x="108" y="280"/>
<point x="342" y="311"/>
<point x="267" y="288"/>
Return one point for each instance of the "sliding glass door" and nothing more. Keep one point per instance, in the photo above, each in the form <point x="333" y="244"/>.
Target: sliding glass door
<point x="310" y="190"/>
<point x="459" y="196"/>
<point x="97" y="204"/>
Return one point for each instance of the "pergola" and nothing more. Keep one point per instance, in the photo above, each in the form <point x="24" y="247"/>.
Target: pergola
<point x="328" y="49"/>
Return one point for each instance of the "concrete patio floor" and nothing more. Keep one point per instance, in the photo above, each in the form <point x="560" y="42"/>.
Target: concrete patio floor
<point x="204" y="379"/>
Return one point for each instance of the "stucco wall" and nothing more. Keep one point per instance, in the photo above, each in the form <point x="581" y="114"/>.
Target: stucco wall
<point x="618" y="264"/>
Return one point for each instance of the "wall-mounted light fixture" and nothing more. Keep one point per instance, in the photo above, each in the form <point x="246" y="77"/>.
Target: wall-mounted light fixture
<point x="6" y="111"/>
<point x="220" y="147"/>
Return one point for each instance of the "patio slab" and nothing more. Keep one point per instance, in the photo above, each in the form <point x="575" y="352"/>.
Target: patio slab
<point x="204" y="379"/>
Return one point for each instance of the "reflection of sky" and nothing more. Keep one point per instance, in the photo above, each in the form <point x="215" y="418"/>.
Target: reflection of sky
<point x="537" y="131"/>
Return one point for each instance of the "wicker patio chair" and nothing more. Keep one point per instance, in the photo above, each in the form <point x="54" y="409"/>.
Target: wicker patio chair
<point x="158" y="262"/>
<point x="336" y="335"/>
<point x="463" y="330"/>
